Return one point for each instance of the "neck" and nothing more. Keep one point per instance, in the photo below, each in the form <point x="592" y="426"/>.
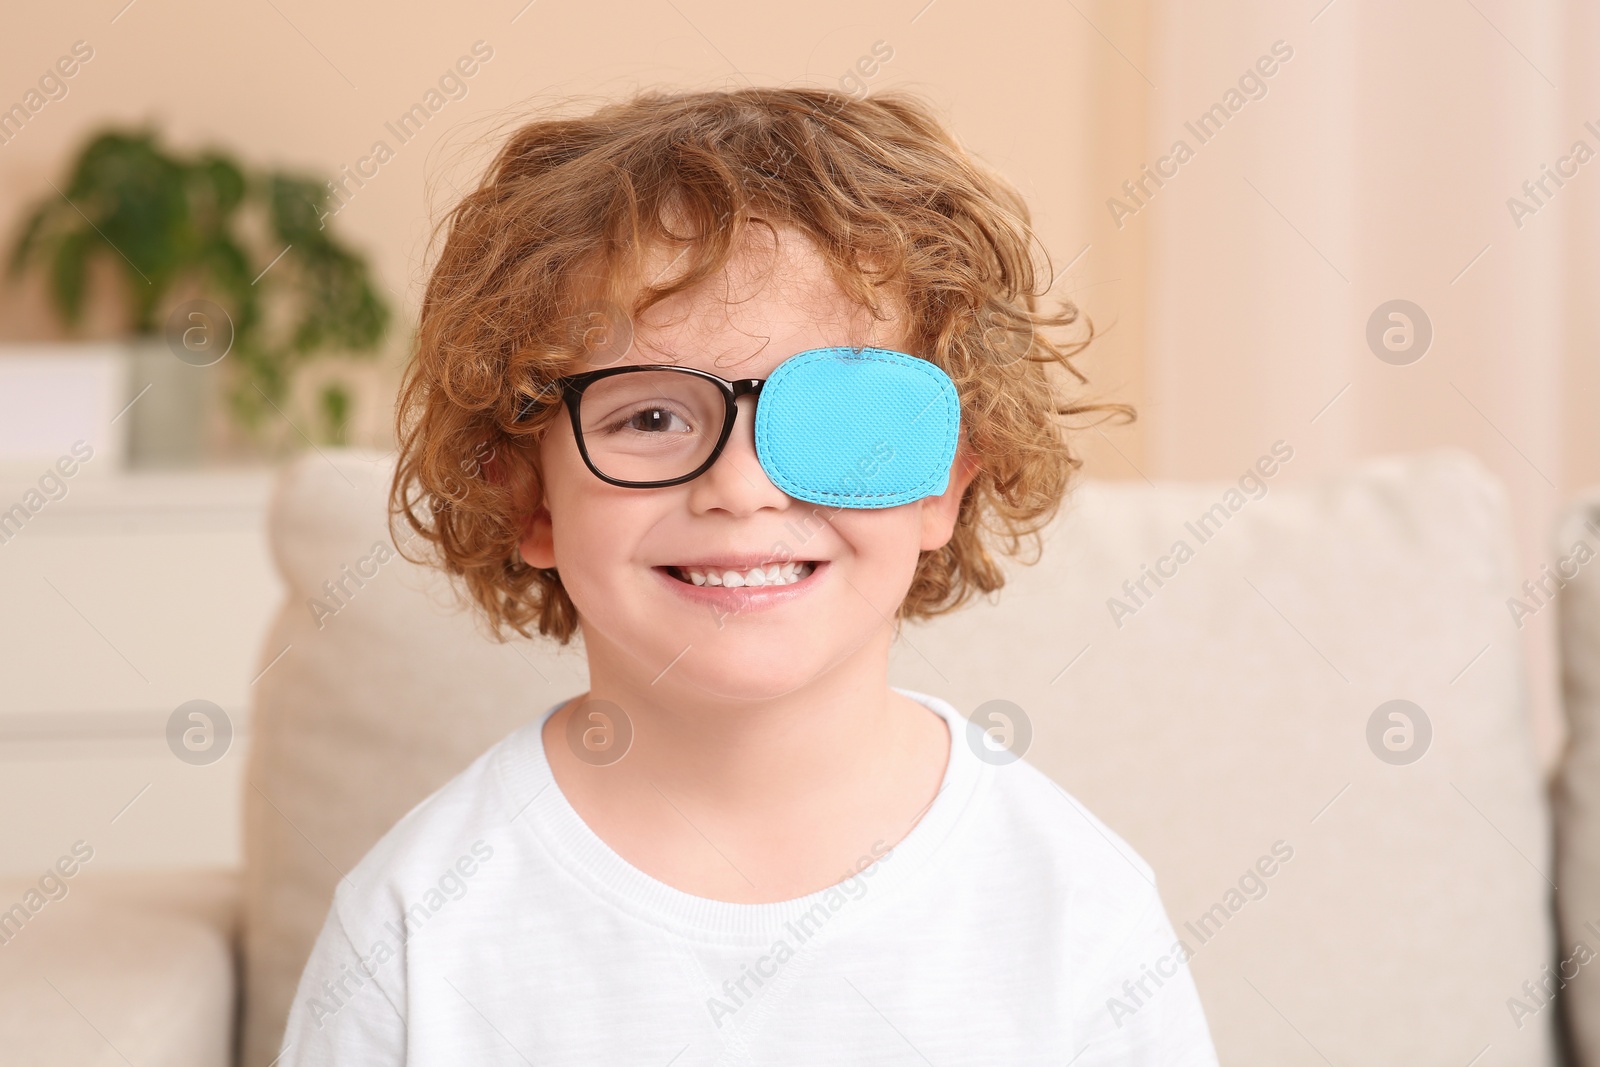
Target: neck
<point x="758" y="798"/>
<point x="751" y="750"/>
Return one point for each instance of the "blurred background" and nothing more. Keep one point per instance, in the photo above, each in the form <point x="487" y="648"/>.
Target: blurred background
<point x="1349" y="227"/>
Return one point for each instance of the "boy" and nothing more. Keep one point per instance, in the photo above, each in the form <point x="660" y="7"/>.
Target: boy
<point x="733" y="382"/>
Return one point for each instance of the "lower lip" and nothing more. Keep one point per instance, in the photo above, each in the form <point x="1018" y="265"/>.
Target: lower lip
<point x="745" y="598"/>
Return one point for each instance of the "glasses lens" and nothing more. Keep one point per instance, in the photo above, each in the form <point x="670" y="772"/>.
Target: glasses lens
<point x="650" y="426"/>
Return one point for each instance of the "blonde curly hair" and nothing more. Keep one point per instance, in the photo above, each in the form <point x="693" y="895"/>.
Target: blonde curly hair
<point x="559" y="225"/>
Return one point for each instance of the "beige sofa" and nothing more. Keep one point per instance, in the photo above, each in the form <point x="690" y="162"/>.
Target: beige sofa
<point x="1236" y="707"/>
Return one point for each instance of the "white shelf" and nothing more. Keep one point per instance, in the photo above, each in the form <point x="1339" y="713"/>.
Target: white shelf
<point x="130" y="595"/>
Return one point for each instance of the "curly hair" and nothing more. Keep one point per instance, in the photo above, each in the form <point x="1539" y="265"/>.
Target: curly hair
<point x="559" y="226"/>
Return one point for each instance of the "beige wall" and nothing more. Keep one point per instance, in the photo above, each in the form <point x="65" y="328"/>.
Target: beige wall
<point x="1376" y="166"/>
<point x="1379" y="166"/>
<point x="314" y="86"/>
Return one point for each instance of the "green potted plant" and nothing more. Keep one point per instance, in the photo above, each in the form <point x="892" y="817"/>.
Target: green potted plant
<point x="215" y="261"/>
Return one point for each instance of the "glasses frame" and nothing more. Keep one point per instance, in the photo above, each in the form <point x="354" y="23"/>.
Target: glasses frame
<point x="573" y="387"/>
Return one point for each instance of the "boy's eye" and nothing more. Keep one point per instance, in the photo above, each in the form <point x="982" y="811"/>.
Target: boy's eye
<point x="652" y="420"/>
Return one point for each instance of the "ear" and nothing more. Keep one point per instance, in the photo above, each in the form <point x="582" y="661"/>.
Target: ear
<point x="538" y="546"/>
<point x="939" y="513"/>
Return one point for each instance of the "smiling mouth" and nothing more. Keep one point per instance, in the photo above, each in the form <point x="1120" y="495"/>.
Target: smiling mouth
<point x="774" y="574"/>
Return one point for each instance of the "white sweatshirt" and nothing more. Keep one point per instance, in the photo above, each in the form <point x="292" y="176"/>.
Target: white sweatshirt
<point x="492" y="926"/>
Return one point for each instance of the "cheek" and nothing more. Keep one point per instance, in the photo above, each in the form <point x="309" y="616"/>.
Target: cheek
<point x="881" y="548"/>
<point x="596" y="528"/>
<point x="589" y="531"/>
<point x="884" y="542"/>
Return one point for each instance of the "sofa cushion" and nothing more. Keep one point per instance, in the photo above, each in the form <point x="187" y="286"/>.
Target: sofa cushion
<point x="1572" y="589"/>
<point x="125" y="968"/>
<point x="1232" y="721"/>
<point x="383" y="692"/>
<point x="1341" y="904"/>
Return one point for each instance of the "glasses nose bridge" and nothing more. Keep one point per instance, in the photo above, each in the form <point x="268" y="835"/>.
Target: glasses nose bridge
<point x="739" y="387"/>
<point x="743" y="387"/>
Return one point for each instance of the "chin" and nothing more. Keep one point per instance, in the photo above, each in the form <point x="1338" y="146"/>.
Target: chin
<point x="737" y="677"/>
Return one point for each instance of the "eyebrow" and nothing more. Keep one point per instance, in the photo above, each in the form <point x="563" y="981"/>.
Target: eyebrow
<point x="673" y="358"/>
<point x="676" y="359"/>
<point x="640" y="345"/>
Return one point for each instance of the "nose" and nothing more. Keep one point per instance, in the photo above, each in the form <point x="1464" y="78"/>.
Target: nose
<point x="737" y="482"/>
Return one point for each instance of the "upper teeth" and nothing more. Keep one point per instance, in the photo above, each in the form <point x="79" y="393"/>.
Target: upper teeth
<point x="772" y="574"/>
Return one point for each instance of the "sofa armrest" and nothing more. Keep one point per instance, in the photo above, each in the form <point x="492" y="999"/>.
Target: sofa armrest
<point x="136" y="968"/>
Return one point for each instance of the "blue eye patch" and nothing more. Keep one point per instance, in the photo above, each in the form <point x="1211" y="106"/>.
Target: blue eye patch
<point x="858" y="428"/>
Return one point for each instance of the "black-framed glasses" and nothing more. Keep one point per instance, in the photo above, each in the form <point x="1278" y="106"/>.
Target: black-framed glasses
<point x="650" y="425"/>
